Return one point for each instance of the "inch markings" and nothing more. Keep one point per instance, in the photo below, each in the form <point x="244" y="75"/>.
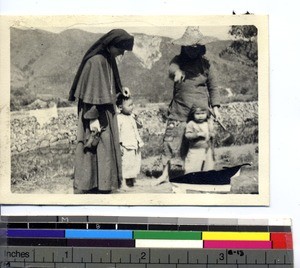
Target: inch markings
<point x="151" y="256"/>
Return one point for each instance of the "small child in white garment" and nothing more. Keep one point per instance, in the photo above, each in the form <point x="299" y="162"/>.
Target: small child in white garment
<point x="199" y="131"/>
<point x="130" y="141"/>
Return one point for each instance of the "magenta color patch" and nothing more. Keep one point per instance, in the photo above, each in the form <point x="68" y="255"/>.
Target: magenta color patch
<point x="216" y="244"/>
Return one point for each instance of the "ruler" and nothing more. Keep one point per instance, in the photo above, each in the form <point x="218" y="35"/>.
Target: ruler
<point x="138" y="242"/>
<point x="144" y="257"/>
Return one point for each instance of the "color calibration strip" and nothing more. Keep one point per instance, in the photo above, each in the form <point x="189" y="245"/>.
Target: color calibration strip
<point x="150" y="239"/>
<point x="148" y="232"/>
<point x="22" y="238"/>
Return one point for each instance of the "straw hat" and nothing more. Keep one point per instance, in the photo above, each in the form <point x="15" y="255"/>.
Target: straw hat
<point x="193" y="36"/>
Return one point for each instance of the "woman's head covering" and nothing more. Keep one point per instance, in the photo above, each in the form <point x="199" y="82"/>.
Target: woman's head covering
<point x="193" y="52"/>
<point x="117" y="37"/>
<point x="193" y="43"/>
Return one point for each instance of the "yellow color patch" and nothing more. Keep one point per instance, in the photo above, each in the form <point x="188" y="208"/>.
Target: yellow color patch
<point x="248" y="236"/>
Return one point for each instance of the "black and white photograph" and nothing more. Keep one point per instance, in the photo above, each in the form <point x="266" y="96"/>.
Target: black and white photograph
<point x="135" y="110"/>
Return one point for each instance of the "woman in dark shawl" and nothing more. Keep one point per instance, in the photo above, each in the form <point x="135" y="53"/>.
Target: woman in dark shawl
<point x="98" y="165"/>
<point x="194" y="84"/>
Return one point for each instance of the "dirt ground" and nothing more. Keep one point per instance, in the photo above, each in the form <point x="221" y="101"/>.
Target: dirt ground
<point x="51" y="172"/>
<point x="246" y="183"/>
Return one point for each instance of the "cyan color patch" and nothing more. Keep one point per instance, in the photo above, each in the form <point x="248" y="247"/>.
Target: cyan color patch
<point x="101" y="234"/>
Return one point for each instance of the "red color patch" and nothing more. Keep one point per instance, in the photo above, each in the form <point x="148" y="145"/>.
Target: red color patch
<point x="282" y="240"/>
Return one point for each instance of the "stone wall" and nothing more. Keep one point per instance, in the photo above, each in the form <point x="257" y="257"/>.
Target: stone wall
<point x="57" y="127"/>
<point x="42" y="128"/>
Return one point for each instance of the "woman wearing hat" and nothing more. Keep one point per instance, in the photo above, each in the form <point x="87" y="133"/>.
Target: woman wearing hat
<point x="194" y="84"/>
<point x="98" y="156"/>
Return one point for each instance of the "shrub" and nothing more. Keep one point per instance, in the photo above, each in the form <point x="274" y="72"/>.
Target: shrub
<point x="21" y="97"/>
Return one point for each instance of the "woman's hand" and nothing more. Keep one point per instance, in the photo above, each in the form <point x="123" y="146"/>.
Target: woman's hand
<point x="217" y="113"/>
<point x="95" y="125"/>
<point x="179" y="76"/>
<point x="126" y="92"/>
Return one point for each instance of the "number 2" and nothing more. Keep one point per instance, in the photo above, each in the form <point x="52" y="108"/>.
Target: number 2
<point x="143" y="255"/>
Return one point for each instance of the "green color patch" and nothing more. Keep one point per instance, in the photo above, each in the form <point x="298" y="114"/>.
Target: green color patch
<point x="176" y="235"/>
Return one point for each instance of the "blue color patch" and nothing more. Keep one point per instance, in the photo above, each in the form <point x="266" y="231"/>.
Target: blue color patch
<point x="101" y="234"/>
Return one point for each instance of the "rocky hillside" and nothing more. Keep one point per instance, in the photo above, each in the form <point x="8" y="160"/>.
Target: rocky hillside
<point x="45" y="64"/>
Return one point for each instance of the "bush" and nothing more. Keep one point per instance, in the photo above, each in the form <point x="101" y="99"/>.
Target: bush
<point x="242" y="51"/>
<point x="21" y="97"/>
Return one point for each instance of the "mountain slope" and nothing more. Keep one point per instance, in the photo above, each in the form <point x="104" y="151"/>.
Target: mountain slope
<point x="46" y="63"/>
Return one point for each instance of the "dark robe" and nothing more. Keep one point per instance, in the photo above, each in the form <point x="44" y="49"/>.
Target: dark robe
<point x="95" y="85"/>
<point x="101" y="167"/>
<point x="199" y="88"/>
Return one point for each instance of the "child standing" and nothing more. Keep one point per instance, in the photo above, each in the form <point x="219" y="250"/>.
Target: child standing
<point x="130" y="141"/>
<point x="199" y="131"/>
